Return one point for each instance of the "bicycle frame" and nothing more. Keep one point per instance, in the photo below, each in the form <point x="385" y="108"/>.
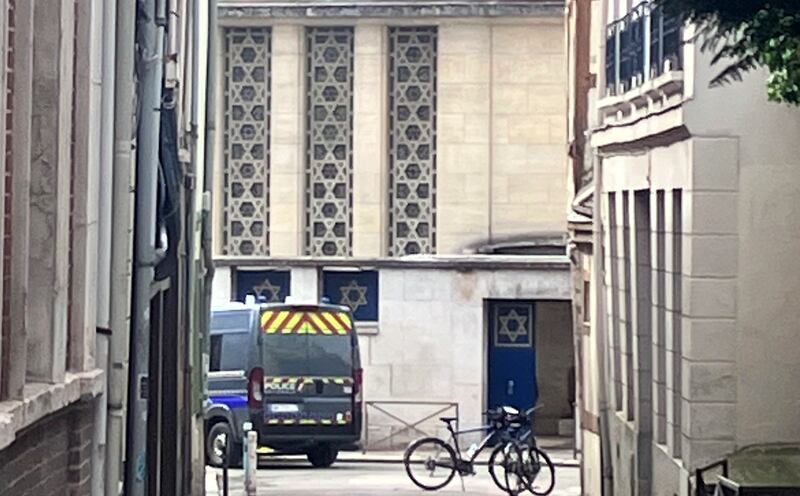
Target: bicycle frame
<point x="492" y="431"/>
<point x="454" y="437"/>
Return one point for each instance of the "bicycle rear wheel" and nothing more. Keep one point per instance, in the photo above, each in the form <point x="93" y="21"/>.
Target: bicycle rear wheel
<point x="430" y="463"/>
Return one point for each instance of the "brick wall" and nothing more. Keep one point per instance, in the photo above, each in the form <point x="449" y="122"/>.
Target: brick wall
<point x="53" y="456"/>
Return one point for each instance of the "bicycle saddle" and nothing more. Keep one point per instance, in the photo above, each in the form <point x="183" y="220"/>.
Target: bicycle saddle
<point x="447" y="420"/>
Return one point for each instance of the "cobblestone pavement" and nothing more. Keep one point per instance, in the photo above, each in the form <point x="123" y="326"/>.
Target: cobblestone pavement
<point x="295" y="477"/>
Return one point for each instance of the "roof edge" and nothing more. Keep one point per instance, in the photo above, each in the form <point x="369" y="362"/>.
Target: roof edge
<point x="233" y="9"/>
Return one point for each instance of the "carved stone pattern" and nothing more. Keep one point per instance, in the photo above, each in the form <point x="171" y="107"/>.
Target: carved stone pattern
<point x="329" y="165"/>
<point x="412" y="129"/>
<point x="247" y="106"/>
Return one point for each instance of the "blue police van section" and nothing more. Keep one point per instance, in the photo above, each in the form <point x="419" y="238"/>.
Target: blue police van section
<point x="237" y="348"/>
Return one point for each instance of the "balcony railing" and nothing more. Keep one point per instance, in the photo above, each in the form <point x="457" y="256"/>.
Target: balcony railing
<point x="641" y="46"/>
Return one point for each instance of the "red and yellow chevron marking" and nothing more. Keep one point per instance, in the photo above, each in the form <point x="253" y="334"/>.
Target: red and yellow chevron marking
<point x="341" y="380"/>
<point x="305" y="322"/>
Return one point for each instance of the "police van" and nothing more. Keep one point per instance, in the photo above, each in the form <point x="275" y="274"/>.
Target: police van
<point x="293" y="370"/>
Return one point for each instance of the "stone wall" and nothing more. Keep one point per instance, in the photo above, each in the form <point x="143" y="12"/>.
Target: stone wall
<point x="430" y="344"/>
<point x="500" y="132"/>
<point x="52" y="456"/>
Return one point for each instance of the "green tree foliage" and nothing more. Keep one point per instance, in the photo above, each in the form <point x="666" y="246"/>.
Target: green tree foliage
<point x="745" y="34"/>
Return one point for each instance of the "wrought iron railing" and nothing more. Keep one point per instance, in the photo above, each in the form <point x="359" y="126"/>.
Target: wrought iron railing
<point x="641" y="46"/>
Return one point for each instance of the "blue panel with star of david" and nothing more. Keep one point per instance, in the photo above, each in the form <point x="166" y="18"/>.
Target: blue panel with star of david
<point x="270" y="286"/>
<point x="357" y="290"/>
<point x="513" y="325"/>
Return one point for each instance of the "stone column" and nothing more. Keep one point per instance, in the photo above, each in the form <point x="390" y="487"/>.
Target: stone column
<point x="287" y="138"/>
<point x="20" y="207"/>
<point x="709" y="259"/>
<point x="86" y="180"/>
<point x="50" y="189"/>
<point x="3" y="227"/>
<point x="370" y="133"/>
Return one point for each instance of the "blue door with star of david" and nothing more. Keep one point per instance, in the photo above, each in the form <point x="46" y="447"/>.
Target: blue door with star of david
<point x="512" y="354"/>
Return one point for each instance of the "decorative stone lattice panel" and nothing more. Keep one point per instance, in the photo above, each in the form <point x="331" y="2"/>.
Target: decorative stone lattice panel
<point x="329" y="166"/>
<point x="247" y="107"/>
<point x="412" y="135"/>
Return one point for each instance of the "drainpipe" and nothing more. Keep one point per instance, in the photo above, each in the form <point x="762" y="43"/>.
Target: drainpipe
<point x="102" y="33"/>
<point x="108" y="26"/>
<point x="150" y="68"/>
<point x="208" y="171"/>
<point x="122" y="185"/>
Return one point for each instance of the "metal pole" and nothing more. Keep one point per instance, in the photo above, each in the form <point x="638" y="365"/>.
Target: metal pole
<point x="208" y="170"/>
<point x="122" y="185"/>
<point x="105" y="213"/>
<point x="150" y="36"/>
<point x="250" y="459"/>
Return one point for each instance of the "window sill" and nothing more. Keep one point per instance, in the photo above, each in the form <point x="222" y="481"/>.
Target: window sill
<point x="42" y="399"/>
<point x="367" y="328"/>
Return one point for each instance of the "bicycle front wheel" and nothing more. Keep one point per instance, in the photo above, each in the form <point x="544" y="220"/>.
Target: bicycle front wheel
<point x="514" y="468"/>
<point x="430" y="463"/>
<point x="540" y="475"/>
<point x="497" y="466"/>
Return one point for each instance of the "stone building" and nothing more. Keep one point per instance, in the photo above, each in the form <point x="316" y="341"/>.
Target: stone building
<point x="50" y="381"/>
<point x="68" y="140"/>
<point x="406" y="159"/>
<point x="685" y="242"/>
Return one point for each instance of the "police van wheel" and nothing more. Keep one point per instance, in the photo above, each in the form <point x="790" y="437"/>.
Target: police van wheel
<point x="218" y="435"/>
<point x="323" y="456"/>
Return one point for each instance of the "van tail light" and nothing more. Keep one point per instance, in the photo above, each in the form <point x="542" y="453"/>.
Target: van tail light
<point x="359" y="383"/>
<point x="255" y="388"/>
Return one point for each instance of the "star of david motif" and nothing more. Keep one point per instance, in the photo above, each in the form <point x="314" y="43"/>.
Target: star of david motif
<point x="510" y="331"/>
<point x="353" y="295"/>
<point x="266" y="288"/>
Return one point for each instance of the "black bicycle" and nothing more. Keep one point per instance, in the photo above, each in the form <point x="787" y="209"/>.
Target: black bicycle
<point x="525" y="465"/>
<point x="431" y="463"/>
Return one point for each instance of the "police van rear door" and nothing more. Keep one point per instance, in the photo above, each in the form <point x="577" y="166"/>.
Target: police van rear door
<point x="308" y="360"/>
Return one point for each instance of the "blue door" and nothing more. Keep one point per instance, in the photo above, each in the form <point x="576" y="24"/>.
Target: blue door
<point x="512" y="357"/>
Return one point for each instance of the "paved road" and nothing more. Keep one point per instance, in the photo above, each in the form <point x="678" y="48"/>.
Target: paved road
<point x="296" y="478"/>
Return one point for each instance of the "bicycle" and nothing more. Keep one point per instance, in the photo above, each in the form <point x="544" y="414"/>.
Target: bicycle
<point x="526" y="466"/>
<point x="440" y="461"/>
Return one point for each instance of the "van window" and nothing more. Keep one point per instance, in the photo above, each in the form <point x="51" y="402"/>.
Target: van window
<point x="235" y="320"/>
<point x="308" y="355"/>
<point x="230" y="339"/>
<point x="229" y="351"/>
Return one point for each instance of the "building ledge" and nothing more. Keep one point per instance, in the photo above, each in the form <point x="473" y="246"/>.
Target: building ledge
<point x="236" y="9"/>
<point x="435" y="262"/>
<point x="652" y="108"/>
<point x="42" y="399"/>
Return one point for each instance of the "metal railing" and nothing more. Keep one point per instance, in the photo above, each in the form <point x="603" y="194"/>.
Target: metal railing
<point x="705" y="487"/>
<point x="408" y="426"/>
<point x="641" y="46"/>
<point x="723" y="486"/>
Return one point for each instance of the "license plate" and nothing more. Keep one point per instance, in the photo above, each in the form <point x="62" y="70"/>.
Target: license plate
<point x="283" y="408"/>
